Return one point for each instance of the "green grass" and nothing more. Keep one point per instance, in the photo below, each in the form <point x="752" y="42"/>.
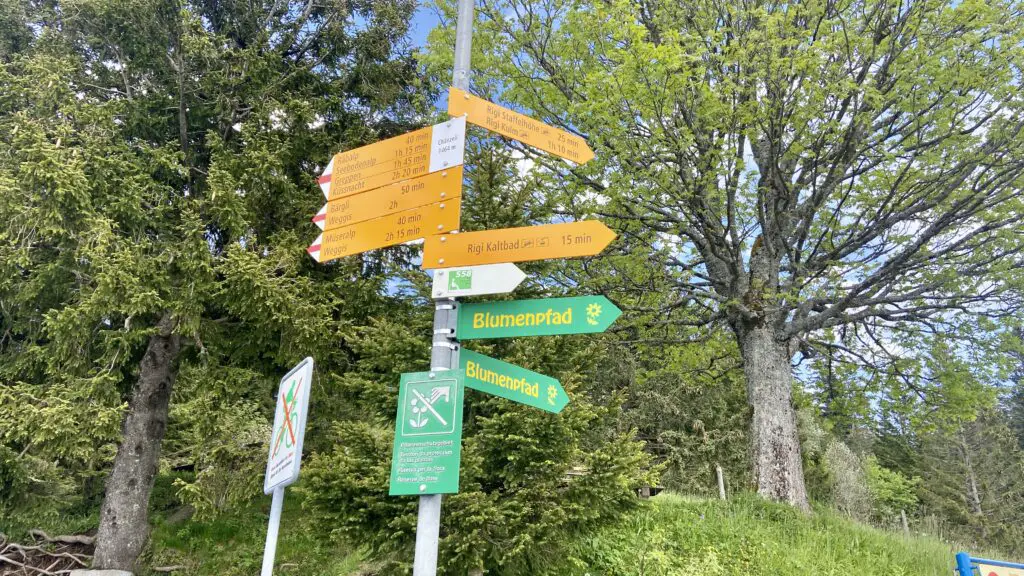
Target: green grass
<point x="673" y="535"/>
<point x="232" y="545"/>
<point x="669" y="535"/>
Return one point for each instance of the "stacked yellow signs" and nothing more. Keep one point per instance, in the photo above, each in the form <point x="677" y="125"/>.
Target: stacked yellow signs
<point x="392" y="192"/>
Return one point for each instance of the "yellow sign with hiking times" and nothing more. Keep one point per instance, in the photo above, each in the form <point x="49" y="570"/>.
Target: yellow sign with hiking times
<point x="519" y="127"/>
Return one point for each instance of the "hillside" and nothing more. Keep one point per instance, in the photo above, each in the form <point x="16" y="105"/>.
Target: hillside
<point x="681" y="536"/>
<point x="669" y="535"/>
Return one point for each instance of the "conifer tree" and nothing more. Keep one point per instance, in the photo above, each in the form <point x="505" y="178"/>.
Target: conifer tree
<point x="157" y="166"/>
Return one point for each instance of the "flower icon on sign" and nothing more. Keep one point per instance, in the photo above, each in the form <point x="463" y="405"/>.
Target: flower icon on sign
<point x="593" y="313"/>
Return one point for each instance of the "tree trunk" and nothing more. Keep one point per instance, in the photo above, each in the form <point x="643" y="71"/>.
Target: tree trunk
<point x="778" y="470"/>
<point x="973" y="494"/>
<point x="124" y="517"/>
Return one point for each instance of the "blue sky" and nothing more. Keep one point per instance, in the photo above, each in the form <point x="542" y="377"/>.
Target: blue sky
<point x="423" y="21"/>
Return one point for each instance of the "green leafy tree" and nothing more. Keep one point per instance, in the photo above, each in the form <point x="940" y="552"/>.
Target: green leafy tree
<point x="791" y="167"/>
<point x="157" y="167"/>
<point x="970" y="479"/>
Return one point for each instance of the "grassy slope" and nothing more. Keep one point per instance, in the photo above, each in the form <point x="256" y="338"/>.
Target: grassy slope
<point x="670" y="535"/>
<point x="232" y="545"/>
<point x="677" y="536"/>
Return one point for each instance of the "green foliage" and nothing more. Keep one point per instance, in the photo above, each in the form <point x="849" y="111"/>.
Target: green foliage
<point x="891" y="491"/>
<point x="162" y="159"/>
<point x="673" y="535"/>
<point x="689" y="404"/>
<point x="232" y="544"/>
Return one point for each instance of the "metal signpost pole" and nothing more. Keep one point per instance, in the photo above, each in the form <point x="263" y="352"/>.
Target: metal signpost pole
<point x="275" y="522"/>
<point x="444" y="354"/>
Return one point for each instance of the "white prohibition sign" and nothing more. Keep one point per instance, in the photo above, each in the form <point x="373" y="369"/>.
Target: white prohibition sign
<point x="285" y="453"/>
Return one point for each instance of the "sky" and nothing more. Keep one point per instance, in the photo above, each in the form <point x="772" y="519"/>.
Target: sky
<point x="423" y="21"/>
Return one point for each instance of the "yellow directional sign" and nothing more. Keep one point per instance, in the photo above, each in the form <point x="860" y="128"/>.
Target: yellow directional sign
<point x="387" y="231"/>
<point x="443" y="186"/>
<point x="545" y="242"/>
<point x="518" y="126"/>
<point x="417" y="153"/>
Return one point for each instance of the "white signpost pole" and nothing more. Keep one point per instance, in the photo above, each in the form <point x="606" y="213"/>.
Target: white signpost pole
<point x="270" y="550"/>
<point x="285" y="454"/>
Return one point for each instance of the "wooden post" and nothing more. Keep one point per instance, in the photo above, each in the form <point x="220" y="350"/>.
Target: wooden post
<point x="721" y="481"/>
<point x="906" y="525"/>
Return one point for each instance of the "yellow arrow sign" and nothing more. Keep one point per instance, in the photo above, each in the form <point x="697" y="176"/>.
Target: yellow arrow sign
<point x="544" y="242"/>
<point x="388" y="231"/>
<point x="444" y="186"/>
<point x="518" y="126"/>
<point x="420" y="152"/>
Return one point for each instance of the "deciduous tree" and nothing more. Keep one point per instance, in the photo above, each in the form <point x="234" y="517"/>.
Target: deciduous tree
<point x="802" y="165"/>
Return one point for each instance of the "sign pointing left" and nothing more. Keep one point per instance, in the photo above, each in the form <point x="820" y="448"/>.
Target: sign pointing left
<point x="417" y="153"/>
<point x="442" y="186"/>
<point x="390" y="230"/>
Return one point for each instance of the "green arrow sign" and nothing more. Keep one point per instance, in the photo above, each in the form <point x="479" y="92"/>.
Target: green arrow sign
<point x="428" y="434"/>
<point x="546" y="317"/>
<point x="509" y="381"/>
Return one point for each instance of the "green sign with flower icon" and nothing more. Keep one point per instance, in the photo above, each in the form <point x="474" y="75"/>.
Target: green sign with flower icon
<point x="428" y="434"/>
<point x="545" y="317"/>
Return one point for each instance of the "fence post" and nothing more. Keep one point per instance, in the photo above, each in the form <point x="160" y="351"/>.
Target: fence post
<point x="721" y="481"/>
<point x="963" y="564"/>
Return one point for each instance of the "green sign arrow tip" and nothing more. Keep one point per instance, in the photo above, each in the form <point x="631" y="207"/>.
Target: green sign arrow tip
<point x="512" y="382"/>
<point x="544" y="317"/>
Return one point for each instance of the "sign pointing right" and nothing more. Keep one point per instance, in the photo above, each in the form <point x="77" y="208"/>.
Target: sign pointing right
<point x="477" y="280"/>
<point x="544" y="317"/>
<point x="512" y="382"/>
<point x="518" y="126"/>
<point x="545" y="242"/>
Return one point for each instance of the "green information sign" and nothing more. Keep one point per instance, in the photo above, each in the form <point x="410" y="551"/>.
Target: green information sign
<point x="428" y="434"/>
<point x="509" y="381"/>
<point x="546" y="317"/>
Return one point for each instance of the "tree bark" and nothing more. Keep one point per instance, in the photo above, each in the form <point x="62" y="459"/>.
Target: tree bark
<point x="124" y="517"/>
<point x="778" y="469"/>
